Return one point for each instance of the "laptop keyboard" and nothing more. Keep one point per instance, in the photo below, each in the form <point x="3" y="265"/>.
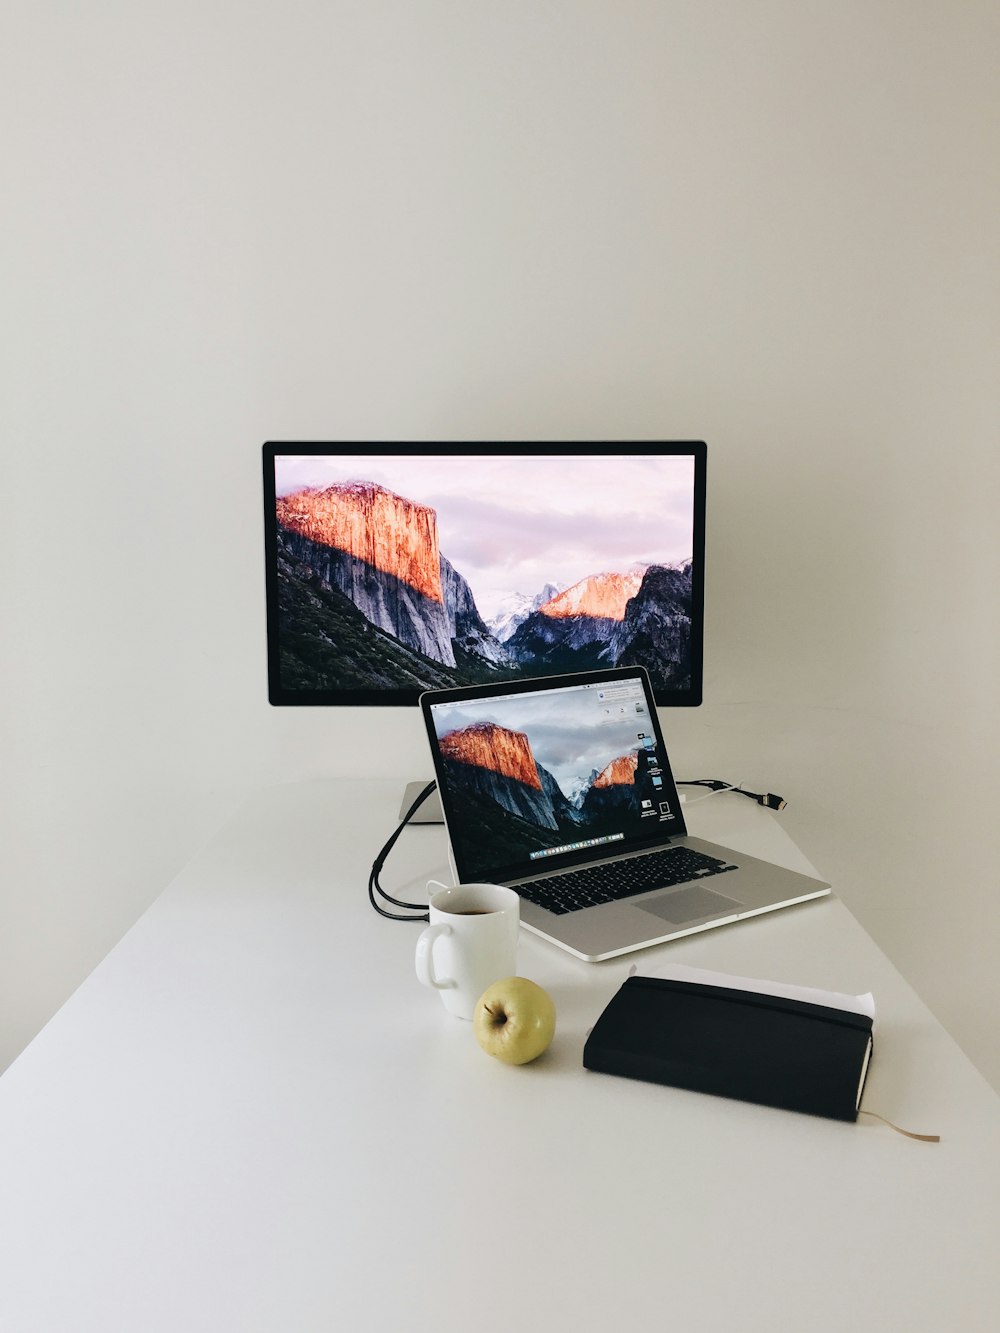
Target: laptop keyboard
<point x="577" y="889"/>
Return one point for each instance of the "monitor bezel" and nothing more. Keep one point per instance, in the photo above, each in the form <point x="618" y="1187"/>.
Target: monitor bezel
<point x="409" y="696"/>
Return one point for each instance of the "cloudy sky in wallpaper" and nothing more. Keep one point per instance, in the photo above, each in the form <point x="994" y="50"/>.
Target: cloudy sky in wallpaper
<point x="513" y="524"/>
<point x="571" y="732"/>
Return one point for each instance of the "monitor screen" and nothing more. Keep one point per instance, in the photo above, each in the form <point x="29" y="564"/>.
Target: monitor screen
<point x="395" y="568"/>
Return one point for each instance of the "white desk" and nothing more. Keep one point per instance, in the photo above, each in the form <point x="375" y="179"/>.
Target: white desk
<point x="252" y="1117"/>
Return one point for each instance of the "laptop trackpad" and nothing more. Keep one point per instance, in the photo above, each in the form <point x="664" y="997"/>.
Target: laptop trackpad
<point x="688" y="904"/>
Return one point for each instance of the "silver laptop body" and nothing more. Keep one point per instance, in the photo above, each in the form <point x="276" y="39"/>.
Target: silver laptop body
<point x="542" y="779"/>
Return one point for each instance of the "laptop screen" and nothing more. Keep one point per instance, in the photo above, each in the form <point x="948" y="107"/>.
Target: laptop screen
<point x="538" y="775"/>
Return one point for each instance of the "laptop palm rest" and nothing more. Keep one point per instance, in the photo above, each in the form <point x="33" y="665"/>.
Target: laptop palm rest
<point x="690" y="903"/>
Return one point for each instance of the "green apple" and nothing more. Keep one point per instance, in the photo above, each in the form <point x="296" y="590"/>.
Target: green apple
<point x="514" y="1020"/>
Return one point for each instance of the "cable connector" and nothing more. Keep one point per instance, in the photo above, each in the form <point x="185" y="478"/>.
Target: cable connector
<point x="771" y="801"/>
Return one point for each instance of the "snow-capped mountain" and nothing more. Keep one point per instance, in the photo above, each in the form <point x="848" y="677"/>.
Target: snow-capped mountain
<point x="516" y="609"/>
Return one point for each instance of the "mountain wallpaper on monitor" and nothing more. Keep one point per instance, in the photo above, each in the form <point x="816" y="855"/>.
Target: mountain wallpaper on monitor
<point x="369" y="597"/>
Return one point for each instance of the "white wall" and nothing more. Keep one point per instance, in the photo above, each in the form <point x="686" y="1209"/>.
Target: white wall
<point x="766" y="223"/>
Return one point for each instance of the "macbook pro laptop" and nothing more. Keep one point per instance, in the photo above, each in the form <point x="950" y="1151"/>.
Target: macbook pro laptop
<point x="561" y="788"/>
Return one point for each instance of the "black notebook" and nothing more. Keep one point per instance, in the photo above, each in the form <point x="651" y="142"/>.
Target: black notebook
<point x="757" y="1047"/>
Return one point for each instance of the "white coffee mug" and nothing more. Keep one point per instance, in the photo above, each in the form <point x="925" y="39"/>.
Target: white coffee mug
<point x="470" y="943"/>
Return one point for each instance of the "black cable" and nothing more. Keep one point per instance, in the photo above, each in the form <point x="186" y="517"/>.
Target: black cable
<point x="766" y="799"/>
<point x="375" y="887"/>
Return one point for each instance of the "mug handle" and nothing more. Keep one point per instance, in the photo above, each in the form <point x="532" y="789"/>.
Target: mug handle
<point x="425" y="957"/>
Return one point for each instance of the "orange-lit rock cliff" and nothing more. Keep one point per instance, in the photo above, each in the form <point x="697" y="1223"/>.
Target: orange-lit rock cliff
<point x="620" y="772"/>
<point x="486" y="745"/>
<point x="365" y="520"/>
<point x="604" y="595"/>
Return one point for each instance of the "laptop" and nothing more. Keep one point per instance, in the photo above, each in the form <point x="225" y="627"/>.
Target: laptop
<point x="560" y="788"/>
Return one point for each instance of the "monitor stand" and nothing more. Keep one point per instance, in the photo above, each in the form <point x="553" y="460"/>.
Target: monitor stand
<point x="428" y="812"/>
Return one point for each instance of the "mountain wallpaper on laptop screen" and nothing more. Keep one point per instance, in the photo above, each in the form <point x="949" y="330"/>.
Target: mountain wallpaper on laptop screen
<point x="508" y="805"/>
<point x="369" y="597"/>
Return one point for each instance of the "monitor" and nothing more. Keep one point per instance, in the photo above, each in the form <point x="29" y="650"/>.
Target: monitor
<point x="399" y="567"/>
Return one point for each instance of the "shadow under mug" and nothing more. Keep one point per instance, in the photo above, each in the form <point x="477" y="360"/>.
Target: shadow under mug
<point x="471" y="942"/>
